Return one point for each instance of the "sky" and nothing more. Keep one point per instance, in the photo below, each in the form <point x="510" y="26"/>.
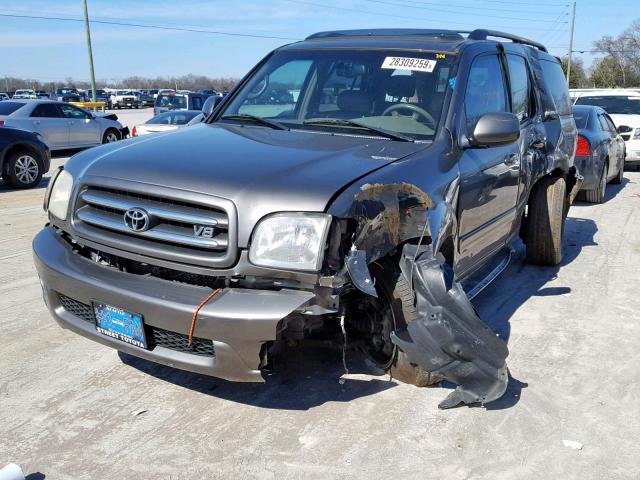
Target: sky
<point x="54" y="50"/>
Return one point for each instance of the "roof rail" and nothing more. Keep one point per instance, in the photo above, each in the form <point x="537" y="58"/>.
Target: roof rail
<point x="392" y="32"/>
<point x="482" y="34"/>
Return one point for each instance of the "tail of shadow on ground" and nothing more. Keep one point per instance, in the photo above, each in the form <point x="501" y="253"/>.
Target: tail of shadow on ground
<point x="307" y="376"/>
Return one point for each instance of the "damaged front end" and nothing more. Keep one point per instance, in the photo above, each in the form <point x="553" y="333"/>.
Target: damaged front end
<point x="448" y="338"/>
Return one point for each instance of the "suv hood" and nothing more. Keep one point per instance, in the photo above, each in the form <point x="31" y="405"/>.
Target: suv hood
<point x="261" y="170"/>
<point x="620" y="119"/>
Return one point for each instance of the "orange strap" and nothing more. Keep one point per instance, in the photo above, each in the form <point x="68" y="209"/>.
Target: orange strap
<point x="194" y="319"/>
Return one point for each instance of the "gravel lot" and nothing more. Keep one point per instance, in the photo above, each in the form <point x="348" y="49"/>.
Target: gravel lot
<point x="72" y="409"/>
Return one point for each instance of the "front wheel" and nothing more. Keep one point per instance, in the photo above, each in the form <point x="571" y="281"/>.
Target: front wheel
<point x="597" y="195"/>
<point x="110" y="136"/>
<point x="545" y="221"/>
<point x="396" y="309"/>
<point x="23" y="170"/>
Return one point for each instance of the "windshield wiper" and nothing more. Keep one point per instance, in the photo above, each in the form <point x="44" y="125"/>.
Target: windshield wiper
<point x="254" y="118"/>
<point x="351" y="123"/>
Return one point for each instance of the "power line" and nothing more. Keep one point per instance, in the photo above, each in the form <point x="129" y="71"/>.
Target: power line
<point x="537" y="4"/>
<point x="157" y="27"/>
<point x="444" y="10"/>
<point x="483" y="8"/>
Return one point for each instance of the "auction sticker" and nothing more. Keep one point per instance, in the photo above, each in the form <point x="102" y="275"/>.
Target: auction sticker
<point x="407" y="63"/>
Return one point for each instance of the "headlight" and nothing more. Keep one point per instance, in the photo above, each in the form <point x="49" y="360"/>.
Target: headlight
<point x="60" y="194"/>
<point x="636" y="134"/>
<point x="292" y="241"/>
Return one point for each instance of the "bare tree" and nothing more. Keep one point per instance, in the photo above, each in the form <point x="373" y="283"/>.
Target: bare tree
<point x="621" y="65"/>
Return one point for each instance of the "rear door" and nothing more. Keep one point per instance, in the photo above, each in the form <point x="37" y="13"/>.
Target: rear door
<point x="83" y="129"/>
<point x="490" y="177"/>
<point x="618" y="141"/>
<point x="49" y="122"/>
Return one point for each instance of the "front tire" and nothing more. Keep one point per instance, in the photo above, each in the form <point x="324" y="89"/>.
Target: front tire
<point x="395" y="293"/>
<point x="110" y="136"/>
<point x="23" y="169"/>
<point x="545" y="221"/>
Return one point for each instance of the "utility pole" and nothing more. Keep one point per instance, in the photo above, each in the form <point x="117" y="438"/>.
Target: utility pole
<point x="88" y="33"/>
<point x="573" y="24"/>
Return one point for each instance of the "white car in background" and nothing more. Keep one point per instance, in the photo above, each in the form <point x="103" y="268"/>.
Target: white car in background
<point x="623" y="106"/>
<point x="167" y="121"/>
<point x="60" y="124"/>
<point x="25" y="93"/>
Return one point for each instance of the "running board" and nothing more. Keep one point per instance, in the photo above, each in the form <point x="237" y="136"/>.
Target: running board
<point x="495" y="268"/>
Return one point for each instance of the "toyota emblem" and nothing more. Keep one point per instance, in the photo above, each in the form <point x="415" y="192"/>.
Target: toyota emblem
<point x="137" y="219"/>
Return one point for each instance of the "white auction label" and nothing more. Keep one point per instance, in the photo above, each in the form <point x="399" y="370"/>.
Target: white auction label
<point x="407" y="63"/>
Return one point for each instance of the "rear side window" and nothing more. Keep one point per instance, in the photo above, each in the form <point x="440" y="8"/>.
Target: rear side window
<point x="486" y="91"/>
<point x="46" y="110"/>
<point x="520" y="87"/>
<point x="603" y="123"/>
<point x="7" y="108"/>
<point x="557" y="86"/>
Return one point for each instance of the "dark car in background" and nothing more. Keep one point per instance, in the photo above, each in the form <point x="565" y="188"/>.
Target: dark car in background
<point x="600" y="152"/>
<point x="146" y="98"/>
<point x="68" y="94"/>
<point x="178" y="101"/>
<point x="359" y="185"/>
<point x="24" y="157"/>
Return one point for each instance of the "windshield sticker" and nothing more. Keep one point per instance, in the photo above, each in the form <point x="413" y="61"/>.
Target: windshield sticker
<point x="406" y="63"/>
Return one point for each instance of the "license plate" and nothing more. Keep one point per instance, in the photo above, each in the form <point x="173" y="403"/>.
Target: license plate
<point x="120" y="324"/>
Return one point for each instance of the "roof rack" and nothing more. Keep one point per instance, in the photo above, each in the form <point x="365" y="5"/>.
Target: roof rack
<point x="391" y="32"/>
<point x="482" y="34"/>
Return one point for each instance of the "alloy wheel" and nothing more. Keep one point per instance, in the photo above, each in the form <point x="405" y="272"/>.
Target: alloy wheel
<point x="26" y="169"/>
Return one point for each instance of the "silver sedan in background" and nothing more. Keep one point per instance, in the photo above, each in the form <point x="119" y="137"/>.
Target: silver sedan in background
<point x="60" y="124"/>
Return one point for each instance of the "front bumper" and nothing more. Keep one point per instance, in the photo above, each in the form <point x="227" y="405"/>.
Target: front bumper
<point x="238" y="321"/>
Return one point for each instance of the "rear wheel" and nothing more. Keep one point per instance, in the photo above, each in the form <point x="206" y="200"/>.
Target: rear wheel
<point x="597" y="195"/>
<point x="620" y="176"/>
<point x="393" y="309"/>
<point x="545" y="221"/>
<point x="23" y="169"/>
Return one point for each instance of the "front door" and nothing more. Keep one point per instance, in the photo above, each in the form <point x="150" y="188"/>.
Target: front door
<point x="83" y="129"/>
<point x="490" y="177"/>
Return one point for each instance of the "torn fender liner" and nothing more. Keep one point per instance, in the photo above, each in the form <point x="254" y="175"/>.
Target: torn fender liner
<point x="356" y="262"/>
<point x="447" y="337"/>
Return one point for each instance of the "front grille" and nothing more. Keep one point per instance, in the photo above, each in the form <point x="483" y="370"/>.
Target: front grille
<point x="176" y="229"/>
<point x="155" y="336"/>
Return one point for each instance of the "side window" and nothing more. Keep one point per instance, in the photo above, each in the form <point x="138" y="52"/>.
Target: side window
<point x="521" y="95"/>
<point x="69" y="111"/>
<point x="556" y="86"/>
<point x="603" y="123"/>
<point x="612" y="125"/>
<point x="277" y="92"/>
<point x="485" y="91"/>
<point x="46" y="110"/>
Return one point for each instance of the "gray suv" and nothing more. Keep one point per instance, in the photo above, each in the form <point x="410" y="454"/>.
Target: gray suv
<point x="357" y="185"/>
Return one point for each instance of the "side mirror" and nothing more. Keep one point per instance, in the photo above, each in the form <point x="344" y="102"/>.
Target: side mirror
<point x="624" y="129"/>
<point x="210" y="104"/>
<point x="495" y="129"/>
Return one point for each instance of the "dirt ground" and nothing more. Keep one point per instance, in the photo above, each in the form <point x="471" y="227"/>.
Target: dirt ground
<point x="73" y="409"/>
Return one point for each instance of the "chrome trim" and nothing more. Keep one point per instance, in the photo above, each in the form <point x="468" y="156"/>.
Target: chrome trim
<point x="154" y="208"/>
<point x="162" y="232"/>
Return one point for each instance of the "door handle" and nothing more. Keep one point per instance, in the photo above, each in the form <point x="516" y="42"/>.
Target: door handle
<point x="512" y="159"/>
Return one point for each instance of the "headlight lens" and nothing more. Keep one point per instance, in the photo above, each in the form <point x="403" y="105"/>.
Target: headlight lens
<point x="60" y="195"/>
<point x="290" y="240"/>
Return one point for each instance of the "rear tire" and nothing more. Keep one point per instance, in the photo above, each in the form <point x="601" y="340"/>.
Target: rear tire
<point x="597" y="195"/>
<point x="620" y="176"/>
<point x="23" y="169"/>
<point x="545" y="221"/>
<point x="394" y="290"/>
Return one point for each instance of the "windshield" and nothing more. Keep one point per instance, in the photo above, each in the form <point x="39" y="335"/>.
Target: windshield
<point x="581" y="116"/>
<point x="397" y="91"/>
<point x="174" y="118"/>
<point x="171" y="100"/>
<point x="614" y="104"/>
